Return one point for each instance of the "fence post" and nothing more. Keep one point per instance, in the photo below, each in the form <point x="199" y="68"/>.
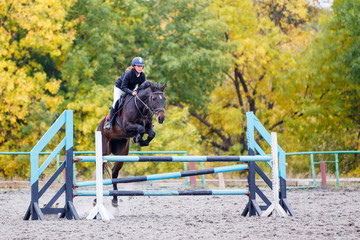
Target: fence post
<point x="323" y="174"/>
<point x="275" y="205"/>
<point x="313" y="169"/>
<point x="99" y="210"/>
<point x="252" y="207"/>
<point x="192" y="166"/>
<point x="221" y="180"/>
<point x="337" y="169"/>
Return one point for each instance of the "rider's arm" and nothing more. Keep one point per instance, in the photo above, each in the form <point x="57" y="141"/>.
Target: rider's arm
<point x="125" y="83"/>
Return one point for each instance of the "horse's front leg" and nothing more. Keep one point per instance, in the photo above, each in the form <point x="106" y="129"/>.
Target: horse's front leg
<point x="151" y="135"/>
<point x="138" y="129"/>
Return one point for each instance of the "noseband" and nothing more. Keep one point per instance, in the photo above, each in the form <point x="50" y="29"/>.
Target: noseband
<point x="151" y="108"/>
<point x="156" y="110"/>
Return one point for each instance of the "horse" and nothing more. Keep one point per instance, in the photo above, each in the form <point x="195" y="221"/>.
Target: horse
<point x="134" y="121"/>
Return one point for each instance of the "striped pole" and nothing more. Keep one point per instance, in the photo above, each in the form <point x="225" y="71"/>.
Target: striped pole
<point x="99" y="209"/>
<point x="164" y="192"/>
<point x="161" y="176"/>
<point x="176" y="158"/>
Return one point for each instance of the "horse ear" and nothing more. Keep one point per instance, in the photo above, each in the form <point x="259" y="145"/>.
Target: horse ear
<point x="163" y="86"/>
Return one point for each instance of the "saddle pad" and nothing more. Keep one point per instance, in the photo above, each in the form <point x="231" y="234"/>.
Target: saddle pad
<point x="108" y="116"/>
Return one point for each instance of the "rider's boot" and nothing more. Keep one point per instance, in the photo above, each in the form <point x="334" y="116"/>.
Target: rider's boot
<point x="108" y="124"/>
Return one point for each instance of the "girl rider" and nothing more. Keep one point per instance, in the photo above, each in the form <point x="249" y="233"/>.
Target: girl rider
<point x="126" y="83"/>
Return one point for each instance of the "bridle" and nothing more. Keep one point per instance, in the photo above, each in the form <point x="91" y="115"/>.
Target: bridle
<point x="151" y="107"/>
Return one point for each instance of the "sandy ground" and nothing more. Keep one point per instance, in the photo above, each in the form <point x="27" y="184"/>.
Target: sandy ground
<point x="321" y="214"/>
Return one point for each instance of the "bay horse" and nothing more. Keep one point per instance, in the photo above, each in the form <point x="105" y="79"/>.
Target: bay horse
<point x="134" y="121"/>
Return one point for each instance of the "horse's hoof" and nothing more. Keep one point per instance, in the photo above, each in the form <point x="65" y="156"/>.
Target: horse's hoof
<point x="114" y="203"/>
<point x="137" y="138"/>
<point x="94" y="202"/>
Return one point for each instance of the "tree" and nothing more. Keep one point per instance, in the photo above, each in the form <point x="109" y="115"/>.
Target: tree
<point x="319" y="96"/>
<point x="104" y="46"/>
<point x="186" y="48"/>
<point x="263" y="43"/>
<point x="346" y="18"/>
<point x="33" y="37"/>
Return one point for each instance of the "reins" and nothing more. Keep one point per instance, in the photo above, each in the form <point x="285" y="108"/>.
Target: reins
<point x="144" y="116"/>
<point x="151" y="109"/>
<point x="137" y="97"/>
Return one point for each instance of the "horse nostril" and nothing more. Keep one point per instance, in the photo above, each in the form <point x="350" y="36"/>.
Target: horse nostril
<point x="161" y="119"/>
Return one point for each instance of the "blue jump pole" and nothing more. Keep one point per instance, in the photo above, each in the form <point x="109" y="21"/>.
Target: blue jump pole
<point x="176" y="158"/>
<point x="163" y="192"/>
<point x="161" y="176"/>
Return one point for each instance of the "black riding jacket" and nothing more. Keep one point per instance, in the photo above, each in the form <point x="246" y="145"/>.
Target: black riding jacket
<point x="127" y="82"/>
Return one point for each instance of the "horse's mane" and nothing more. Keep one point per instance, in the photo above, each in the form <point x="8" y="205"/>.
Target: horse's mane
<point x="146" y="84"/>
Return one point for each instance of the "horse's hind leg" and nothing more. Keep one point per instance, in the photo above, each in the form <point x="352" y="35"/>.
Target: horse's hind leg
<point x="115" y="174"/>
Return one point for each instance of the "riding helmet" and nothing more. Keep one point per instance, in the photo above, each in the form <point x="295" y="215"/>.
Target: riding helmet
<point x="138" y="61"/>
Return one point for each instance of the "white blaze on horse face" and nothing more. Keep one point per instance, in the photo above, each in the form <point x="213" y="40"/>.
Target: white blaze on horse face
<point x="160" y="96"/>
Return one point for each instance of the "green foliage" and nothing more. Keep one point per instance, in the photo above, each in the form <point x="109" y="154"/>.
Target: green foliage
<point x="187" y="49"/>
<point x="346" y="17"/>
<point x="102" y="49"/>
<point x="320" y="101"/>
<point x="103" y="41"/>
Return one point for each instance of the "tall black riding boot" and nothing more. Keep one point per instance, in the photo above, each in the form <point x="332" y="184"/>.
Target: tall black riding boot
<point x="109" y="122"/>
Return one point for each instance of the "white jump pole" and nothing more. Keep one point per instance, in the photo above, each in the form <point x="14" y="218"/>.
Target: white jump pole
<point x="99" y="211"/>
<point x="275" y="205"/>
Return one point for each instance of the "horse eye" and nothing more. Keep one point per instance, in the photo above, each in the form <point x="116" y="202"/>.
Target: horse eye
<point x="154" y="98"/>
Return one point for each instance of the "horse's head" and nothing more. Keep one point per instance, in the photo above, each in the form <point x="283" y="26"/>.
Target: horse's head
<point x="157" y="101"/>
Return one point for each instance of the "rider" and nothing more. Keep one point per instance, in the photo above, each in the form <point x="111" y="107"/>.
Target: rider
<point x="126" y="83"/>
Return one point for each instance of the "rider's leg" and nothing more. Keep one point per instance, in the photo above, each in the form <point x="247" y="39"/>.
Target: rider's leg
<point x="108" y="124"/>
<point x="117" y="93"/>
<point x="121" y="101"/>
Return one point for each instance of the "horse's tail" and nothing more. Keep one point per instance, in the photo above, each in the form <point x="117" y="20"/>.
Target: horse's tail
<point x="107" y="169"/>
<point x="101" y="124"/>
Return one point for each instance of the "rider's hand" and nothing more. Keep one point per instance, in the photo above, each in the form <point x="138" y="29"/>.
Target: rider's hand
<point x="134" y="93"/>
